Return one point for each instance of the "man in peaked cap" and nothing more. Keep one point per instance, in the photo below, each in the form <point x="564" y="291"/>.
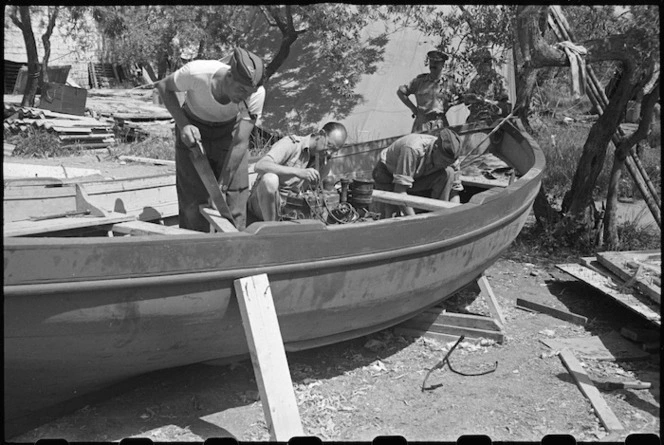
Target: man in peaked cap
<point x="419" y="164"/>
<point x="224" y="100"/>
<point x="435" y="92"/>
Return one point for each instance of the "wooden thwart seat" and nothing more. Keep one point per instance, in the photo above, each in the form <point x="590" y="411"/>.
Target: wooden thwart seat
<point x="22" y="228"/>
<point x="417" y="202"/>
<point x="217" y="221"/>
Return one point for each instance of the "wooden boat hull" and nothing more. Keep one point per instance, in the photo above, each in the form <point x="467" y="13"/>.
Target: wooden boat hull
<point x="147" y="198"/>
<point x="81" y="314"/>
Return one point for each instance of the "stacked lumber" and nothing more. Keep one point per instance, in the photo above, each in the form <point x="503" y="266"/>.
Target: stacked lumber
<point x="138" y="126"/>
<point x="71" y="130"/>
<point x="632" y="279"/>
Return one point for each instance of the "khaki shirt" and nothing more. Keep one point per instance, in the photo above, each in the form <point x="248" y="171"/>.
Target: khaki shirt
<point x="409" y="158"/>
<point x="433" y="94"/>
<point x="291" y="151"/>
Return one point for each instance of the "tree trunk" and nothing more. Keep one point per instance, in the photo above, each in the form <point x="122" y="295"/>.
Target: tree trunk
<point x="46" y="40"/>
<point x="611" y="241"/>
<point x="33" y="58"/>
<point x="288" y="36"/>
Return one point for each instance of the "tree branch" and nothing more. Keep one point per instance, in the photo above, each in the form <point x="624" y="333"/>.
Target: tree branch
<point x="268" y="17"/>
<point x="647" y="107"/>
<point x="14" y="16"/>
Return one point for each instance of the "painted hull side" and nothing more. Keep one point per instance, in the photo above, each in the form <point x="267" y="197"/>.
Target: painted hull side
<point x="130" y="332"/>
<point x="81" y="314"/>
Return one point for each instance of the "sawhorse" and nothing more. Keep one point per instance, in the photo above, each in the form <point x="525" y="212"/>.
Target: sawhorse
<point x="446" y="326"/>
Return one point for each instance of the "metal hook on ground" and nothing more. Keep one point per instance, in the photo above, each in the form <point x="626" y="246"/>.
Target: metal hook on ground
<point x="445" y="360"/>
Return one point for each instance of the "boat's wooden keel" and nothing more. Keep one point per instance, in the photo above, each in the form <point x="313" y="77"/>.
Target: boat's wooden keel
<point x="268" y="357"/>
<point x="438" y="324"/>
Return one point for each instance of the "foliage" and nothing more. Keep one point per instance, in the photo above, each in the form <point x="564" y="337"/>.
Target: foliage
<point x="173" y="35"/>
<point x="155" y="147"/>
<point x="633" y="235"/>
<point x="35" y="143"/>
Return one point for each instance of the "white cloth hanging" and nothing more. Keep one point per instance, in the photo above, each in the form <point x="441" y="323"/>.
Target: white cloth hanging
<point x="577" y="63"/>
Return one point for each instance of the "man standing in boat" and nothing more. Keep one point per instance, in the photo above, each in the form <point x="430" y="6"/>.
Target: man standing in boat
<point x="420" y="164"/>
<point x="223" y="103"/>
<point x="293" y="164"/>
<point x="435" y="92"/>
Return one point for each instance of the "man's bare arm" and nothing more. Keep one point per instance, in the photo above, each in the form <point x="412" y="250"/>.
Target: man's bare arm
<point x="166" y="89"/>
<point x="403" y="96"/>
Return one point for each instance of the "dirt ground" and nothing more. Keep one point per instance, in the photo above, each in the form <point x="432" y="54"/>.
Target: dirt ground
<point x="371" y="386"/>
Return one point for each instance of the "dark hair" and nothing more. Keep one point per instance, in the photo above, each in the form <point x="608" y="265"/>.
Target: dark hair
<point x="333" y="126"/>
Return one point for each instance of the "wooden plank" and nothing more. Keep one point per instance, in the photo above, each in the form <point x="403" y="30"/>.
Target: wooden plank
<point x="482" y="182"/>
<point x="410" y="332"/>
<point x="22" y="228"/>
<point x="640" y="278"/>
<point x="606" y="416"/>
<point x="146" y="160"/>
<point x="453" y="330"/>
<point x="557" y="313"/>
<point x="605" y="284"/>
<point x="417" y="202"/>
<point x="640" y="335"/>
<point x="217" y="221"/>
<point x="606" y="347"/>
<point x="494" y="307"/>
<point x="268" y="357"/>
<point x="451" y="318"/>
<point x="145" y="228"/>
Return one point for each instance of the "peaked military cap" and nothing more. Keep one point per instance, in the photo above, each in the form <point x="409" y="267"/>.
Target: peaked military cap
<point x="247" y="67"/>
<point x="437" y="56"/>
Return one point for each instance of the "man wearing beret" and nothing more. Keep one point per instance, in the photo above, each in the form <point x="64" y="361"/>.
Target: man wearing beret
<point x="435" y="92"/>
<point x="223" y="102"/>
<point x="420" y="164"/>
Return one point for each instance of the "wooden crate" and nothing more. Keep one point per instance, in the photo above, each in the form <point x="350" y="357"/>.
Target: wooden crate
<point x="63" y="99"/>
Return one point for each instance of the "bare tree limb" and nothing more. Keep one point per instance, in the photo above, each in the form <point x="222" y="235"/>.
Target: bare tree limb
<point x="647" y="107"/>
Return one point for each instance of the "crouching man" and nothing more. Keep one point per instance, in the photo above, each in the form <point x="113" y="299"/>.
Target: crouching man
<point x="419" y="164"/>
<point x="293" y="164"/>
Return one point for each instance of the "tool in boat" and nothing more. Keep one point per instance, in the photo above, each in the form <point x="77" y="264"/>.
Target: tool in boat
<point x="198" y="158"/>
<point x="60" y="215"/>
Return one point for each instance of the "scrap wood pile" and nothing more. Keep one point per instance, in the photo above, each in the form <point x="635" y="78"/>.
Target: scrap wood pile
<point x="70" y="129"/>
<point x="134" y="114"/>
<point x="632" y="279"/>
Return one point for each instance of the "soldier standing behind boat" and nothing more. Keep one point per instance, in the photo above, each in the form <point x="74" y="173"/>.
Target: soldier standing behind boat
<point x="435" y="92"/>
<point x="486" y="97"/>
<point x="421" y="164"/>
<point x="223" y="103"/>
<point x="293" y="164"/>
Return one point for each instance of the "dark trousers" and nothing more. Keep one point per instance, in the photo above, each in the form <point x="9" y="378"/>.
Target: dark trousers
<point x="216" y="140"/>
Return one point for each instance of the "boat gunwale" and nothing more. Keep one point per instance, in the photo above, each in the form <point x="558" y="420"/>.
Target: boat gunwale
<point x="308" y="264"/>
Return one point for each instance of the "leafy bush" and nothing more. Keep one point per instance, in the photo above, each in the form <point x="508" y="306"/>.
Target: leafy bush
<point x="635" y="236"/>
<point x="155" y="147"/>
